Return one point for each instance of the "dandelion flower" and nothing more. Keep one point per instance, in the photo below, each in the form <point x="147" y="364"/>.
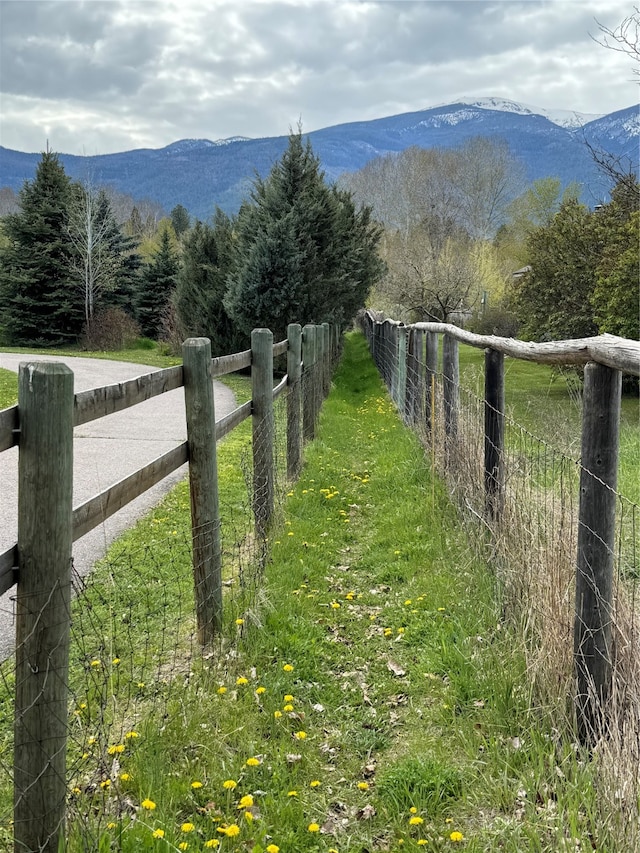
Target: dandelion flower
<point x="183" y="845"/>
<point x="422" y="842"/>
<point x="232" y="830"/>
<point x="196" y="785"/>
<point x="230" y="784"/>
<point x="253" y="762"/>
<point x="212" y="842"/>
<point x="287" y="708"/>
<point x="106" y="783"/>
<point x="273" y="848"/>
<point x="287" y="667"/>
<point x="245" y="802"/>
<point x="315" y="783"/>
<point x="242" y="680"/>
<point x="300" y="735"/>
<point x="111" y="825"/>
<point x="314" y="827"/>
<point x="288" y="697"/>
<point x="292" y="794"/>
<point x="415" y="820"/>
<point x="261" y="690"/>
<point x="131" y="735"/>
<point x="248" y="816"/>
<point x="158" y="833"/>
<point x="125" y="777"/>
<point x="364" y="786"/>
<point x="277" y="714"/>
<point x="187" y="827"/>
<point x="96" y="663"/>
<point x="222" y="690"/>
<point x="149" y="805"/>
<point x="456" y="836"/>
<point x="413" y="810"/>
<point x="239" y="621"/>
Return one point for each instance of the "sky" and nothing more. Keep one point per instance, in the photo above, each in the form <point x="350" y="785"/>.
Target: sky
<point x="97" y="77"/>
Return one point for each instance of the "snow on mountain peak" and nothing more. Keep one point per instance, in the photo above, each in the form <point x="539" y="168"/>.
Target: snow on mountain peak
<point x="563" y="118"/>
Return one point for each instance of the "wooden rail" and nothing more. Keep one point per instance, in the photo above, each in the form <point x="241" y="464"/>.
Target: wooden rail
<point x="8" y="428"/>
<point x="224" y="364"/>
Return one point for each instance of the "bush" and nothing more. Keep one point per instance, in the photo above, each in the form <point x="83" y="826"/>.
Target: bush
<point x="495" y="321"/>
<point x="111" y="329"/>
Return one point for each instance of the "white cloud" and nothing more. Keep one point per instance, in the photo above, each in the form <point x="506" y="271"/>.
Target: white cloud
<point x="105" y="76"/>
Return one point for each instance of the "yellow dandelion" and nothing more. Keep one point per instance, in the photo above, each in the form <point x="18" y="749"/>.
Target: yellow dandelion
<point x="292" y="794"/>
<point x="363" y="786"/>
<point x="187" y="827"/>
<point x="253" y="762"/>
<point x="260" y="690"/>
<point x="388" y="632"/>
<point x="211" y="842"/>
<point x="287" y="709"/>
<point x="239" y="621"/>
<point x="195" y="785"/>
<point x="416" y="820"/>
<point x="242" y="680"/>
<point x="288" y="697"/>
<point x="277" y="714"/>
<point x="111" y="825"/>
<point x="222" y="690"/>
<point x="96" y="663"/>
<point x="422" y="842"/>
<point x="106" y="783"/>
<point x="287" y="667"/>
<point x="230" y="784"/>
<point x="314" y="827"/>
<point x="116" y="749"/>
<point x="413" y="810"/>
<point x="158" y="833"/>
<point x="183" y="845"/>
<point x="245" y="802"/>
<point x="300" y="735"/>
<point x="456" y="836"/>
<point x="131" y="735"/>
<point x="232" y="830"/>
<point x="315" y="783"/>
<point x="273" y="848"/>
<point x="248" y="816"/>
<point x="125" y="777"/>
<point x="149" y="805"/>
<point x="115" y="661"/>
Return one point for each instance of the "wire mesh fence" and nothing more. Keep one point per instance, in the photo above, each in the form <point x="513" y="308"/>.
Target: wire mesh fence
<point x="131" y="631"/>
<point x="528" y="530"/>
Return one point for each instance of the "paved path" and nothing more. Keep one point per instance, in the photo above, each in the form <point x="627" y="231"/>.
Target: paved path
<point x="105" y="451"/>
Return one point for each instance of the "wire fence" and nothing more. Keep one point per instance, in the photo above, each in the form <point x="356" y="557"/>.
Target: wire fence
<point x="133" y="645"/>
<point x="528" y="530"/>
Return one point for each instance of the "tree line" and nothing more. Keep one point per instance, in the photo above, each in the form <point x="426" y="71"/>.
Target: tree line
<point x="299" y="250"/>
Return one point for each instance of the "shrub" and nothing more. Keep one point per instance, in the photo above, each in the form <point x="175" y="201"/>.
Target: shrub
<point x="111" y="329"/>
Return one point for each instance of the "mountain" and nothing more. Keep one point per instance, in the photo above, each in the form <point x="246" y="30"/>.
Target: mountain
<point x="201" y="174"/>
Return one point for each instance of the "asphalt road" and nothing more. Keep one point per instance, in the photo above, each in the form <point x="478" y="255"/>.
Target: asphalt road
<point x="105" y="451"/>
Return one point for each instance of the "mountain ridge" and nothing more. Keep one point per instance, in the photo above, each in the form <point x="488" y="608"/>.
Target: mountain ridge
<point x="202" y="174"/>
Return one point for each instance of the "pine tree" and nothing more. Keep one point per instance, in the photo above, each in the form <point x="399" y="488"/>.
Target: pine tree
<point x="39" y="302"/>
<point x="202" y="283"/>
<point x="156" y="288"/>
<point x="298" y="245"/>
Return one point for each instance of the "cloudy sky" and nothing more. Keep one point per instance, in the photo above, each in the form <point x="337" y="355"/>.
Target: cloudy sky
<point x="96" y="77"/>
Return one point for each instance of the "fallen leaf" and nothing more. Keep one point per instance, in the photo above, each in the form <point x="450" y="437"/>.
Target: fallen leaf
<point x="366" y="812"/>
<point x="395" y="668"/>
<point x="292" y="758"/>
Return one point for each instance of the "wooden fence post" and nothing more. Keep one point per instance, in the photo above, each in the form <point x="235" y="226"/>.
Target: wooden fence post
<point x="493" y="432"/>
<point x="203" y="487"/>
<point x="451" y="380"/>
<point x="294" y="400"/>
<point x="596" y="547"/>
<point x="45" y="499"/>
<point x="263" y="427"/>
<point x="431" y="361"/>
<point x="308" y="383"/>
<point x="326" y="367"/>
<point x="413" y="375"/>
<point x="321" y="366"/>
<point x="393" y="366"/>
<point x="401" y="402"/>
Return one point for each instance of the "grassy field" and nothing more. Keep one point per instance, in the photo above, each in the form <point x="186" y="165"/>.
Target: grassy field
<point x="373" y="699"/>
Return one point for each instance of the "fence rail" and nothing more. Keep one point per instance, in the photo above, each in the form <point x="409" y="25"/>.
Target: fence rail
<point x="39" y="564"/>
<point x="407" y="358"/>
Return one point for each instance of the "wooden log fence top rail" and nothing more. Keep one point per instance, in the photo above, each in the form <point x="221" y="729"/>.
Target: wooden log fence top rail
<point x="8" y="564"/>
<point x="280" y="348"/>
<point x="224" y="364"/>
<point x="9" y="424"/>
<point x="98" y="402"/>
<point x="610" y="350"/>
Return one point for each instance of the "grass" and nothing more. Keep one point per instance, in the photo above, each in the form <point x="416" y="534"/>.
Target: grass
<point x="374" y="697"/>
<point x="8" y="388"/>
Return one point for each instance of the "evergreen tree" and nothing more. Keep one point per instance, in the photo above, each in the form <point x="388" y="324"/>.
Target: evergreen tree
<point x="156" y="288"/>
<point x="298" y="245"/>
<point x="39" y="302"/>
<point x="202" y="283"/>
<point x="180" y="220"/>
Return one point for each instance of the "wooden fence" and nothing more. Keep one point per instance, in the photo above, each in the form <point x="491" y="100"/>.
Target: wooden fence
<point x="39" y="564"/>
<point x="407" y="357"/>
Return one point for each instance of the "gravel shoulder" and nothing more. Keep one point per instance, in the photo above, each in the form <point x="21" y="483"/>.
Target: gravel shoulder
<point x="105" y="451"/>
